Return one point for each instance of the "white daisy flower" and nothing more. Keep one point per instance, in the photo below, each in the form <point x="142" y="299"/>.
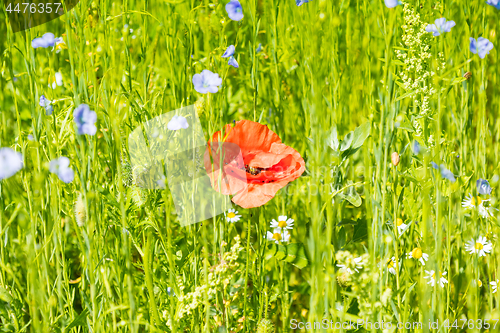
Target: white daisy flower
<point x="354" y="263"/>
<point x="417" y="254"/>
<point x="494" y="285"/>
<point x="481" y="246"/>
<point x="432" y="278"/>
<point x="471" y="202"/>
<point x="392" y="265"/>
<point x="282" y="222"/>
<point x="401" y="226"/>
<point x="278" y="235"/>
<point x="231" y="216"/>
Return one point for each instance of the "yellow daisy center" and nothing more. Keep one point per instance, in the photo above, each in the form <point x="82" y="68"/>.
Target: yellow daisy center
<point x="479" y="283"/>
<point x="479" y="246"/>
<point x="277" y="236"/>
<point x="474" y="199"/>
<point x="434" y="275"/>
<point x="399" y="222"/>
<point x="416" y="253"/>
<point x="282" y="224"/>
<point x="231" y="215"/>
<point x="390" y="263"/>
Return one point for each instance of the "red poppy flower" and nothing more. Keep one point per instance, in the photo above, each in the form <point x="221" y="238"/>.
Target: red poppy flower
<point x="256" y="164"/>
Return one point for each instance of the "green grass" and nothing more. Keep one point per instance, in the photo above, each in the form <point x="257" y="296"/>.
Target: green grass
<point x="132" y="267"/>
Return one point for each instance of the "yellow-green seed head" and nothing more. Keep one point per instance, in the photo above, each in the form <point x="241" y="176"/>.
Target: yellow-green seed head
<point x="265" y="326"/>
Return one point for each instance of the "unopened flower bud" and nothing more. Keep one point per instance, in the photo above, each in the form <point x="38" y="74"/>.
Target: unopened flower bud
<point x="344" y="279"/>
<point x="395" y="158"/>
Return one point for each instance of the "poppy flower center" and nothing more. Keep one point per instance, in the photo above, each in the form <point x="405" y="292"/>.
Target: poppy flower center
<point x="231" y="215"/>
<point x="416" y="253"/>
<point x="282" y="224"/>
<point x="479" y="246"/>
<point x="253" y="171"/>
<point x="277" y="236"/>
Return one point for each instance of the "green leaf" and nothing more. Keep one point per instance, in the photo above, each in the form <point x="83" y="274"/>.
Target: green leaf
<point x="360" y="134"/>
<point x="4" y="295"/>
<point x="333" y="140"/>
<point x="298" y="253"/>
<point x="405" y="125"/>
<point x="408" y="94"/>
<point x="79" y="321"/>
<point x="360" y="231"/>
<point x="353" y="197"/>
<point x="280" y="252"/>
<point x="346" y="222"/>
<point x="342" y="237"/>
<point x="291" y="251"/>
<point x="346" y="143"/>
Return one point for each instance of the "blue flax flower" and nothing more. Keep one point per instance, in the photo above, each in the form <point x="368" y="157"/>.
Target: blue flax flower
<point x="301" y="2"/>
<point x="60" y="167"/>
<point x="392" y="3"/>
<point x="229" y="52"/>
<point x="46" y="104"/>
<point x="177" y="122"/>
<point x="494" y="3"/>
<point x="206" y="82"/>
<point x="234" y="10"/>
<point x="85" y="120"/>
<point x="47" y="40"/>
<point x="445" y="173"/>
<point x="416" y="147"/>
<point x="440" y="26"/>
<point x="481" y="47"/>
<point x="483" y="187"/>
<point x="232" y="61"/>
<point x="259" y="48"/>
<point x="10" y="162"/>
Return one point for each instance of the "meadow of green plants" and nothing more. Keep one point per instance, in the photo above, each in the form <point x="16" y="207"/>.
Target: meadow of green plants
<point x="398" y="130"/>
